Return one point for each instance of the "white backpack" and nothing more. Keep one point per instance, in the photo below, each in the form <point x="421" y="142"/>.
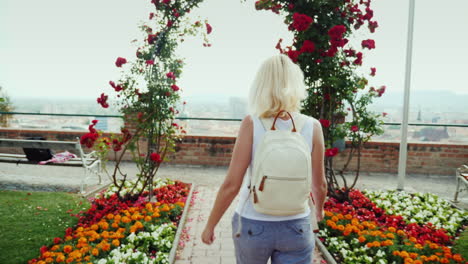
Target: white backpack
<point x="281" y="177"/>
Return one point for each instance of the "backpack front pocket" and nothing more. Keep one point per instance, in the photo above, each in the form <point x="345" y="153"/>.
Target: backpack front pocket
<point x="281" y="194"/>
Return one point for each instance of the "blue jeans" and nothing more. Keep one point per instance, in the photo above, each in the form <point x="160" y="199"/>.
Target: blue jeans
<point x="285" y="242"/>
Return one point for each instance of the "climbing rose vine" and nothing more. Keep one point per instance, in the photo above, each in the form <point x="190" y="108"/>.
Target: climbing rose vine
<point x="337" y="94"/>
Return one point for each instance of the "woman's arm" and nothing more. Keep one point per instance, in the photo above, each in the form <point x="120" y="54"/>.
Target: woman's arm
<point x="240" y="161"/>
<point x="319" y="183"/>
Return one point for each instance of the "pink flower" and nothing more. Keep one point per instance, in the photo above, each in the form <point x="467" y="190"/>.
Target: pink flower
<point x="369" y="43"/>
<point x="175" y="88"/>
<point x="373" y="70"/>
<point x="120" y="61"/>
<point x="102" y="100"/>
<point x="150" y="62"/>
<point x="325" y="123"/>
<point x="308" y="46"/>
<point x="354" y="128"/>
<point x="331" y="152"/>
<point x="208" y="28"/>
<point x="301" y="22"/>
<point x="171" y="75"/>
<point x="155" y="157"/>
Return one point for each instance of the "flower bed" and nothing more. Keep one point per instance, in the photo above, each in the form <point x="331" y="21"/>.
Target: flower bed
<point x="115" y="231"/>
<point x="392" y="227"/>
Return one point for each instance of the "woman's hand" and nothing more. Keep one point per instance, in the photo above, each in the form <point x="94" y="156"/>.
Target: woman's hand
<point x="208" y="236"/>
<point x="319" y="214"/>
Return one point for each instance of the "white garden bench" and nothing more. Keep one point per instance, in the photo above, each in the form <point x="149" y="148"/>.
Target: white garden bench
<point x="90" y="161"/>
<point x="462" y="182"/>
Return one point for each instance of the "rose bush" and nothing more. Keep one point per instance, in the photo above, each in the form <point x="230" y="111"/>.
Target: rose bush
<point x="148" y="96"/>
<point x="321" y="47"/>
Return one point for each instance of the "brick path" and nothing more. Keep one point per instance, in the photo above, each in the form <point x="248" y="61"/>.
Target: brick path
<point x="193" y="251"/>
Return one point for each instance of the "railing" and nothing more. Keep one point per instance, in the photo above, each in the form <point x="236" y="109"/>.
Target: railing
<point x="211" y="126"/>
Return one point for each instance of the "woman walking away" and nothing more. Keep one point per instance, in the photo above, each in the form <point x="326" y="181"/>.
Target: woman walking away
<point x="277" y="165"/>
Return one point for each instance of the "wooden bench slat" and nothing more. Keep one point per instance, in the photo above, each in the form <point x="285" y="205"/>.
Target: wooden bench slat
<point x="23" y="143"/>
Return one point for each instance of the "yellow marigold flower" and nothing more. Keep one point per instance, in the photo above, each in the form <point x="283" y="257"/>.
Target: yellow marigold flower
<point x="79" y="229"/>
<point x="105" y="234"/>
<point x="404" y="254"/>
<point x="401" y="232"/>
<point x="133" y="229"/>
<point x="41" y="262"/>
<point x="87" y="258"/>
<point x="82" y="240"/>
<point x="135" y="217"/>
<point x="149" y="207"/>
<point x="46" y="254"/>
<point x="390" y="235"/>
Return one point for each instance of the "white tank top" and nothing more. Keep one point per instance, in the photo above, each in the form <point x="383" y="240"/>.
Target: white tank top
<point x="247" y="210"/>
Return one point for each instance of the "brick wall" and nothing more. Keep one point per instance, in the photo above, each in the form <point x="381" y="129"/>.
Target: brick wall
<point x="439" y="159"/>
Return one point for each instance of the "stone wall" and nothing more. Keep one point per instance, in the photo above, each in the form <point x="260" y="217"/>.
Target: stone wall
<point x="439" y="159"/>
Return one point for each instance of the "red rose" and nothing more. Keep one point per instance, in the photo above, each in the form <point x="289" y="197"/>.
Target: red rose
<point x="152" y="38"/>
<point x="208" y="28"/>
<point x="44" y="249"/>
<point x="102" y="100"/>
<point x="117" y="88"/>
<point x="155" y="157"/>
<point x="151" y="15"/>
<point x="294" y="54"/>
<point x="381" y="90"/>
<point x="120" y="61"/>
<point x="175" y="88"/>
<point x="331" y="152"/>
<point x="331" y="51"/>
<point x="358" y="60"/>
<point x="325" y="123"/>
<point x="171" y="75"/>
<point x="337" y="31"/>
<point x="94" y="121"/>
<point x="327" y="96"/>
<point x="175" y="125"/>
<point x="57" y="240"/>
<point x="301" y="22"/>
<point x="169" y="23"/>
<point x="354" y="128"/>
<point x="350" y="52"/>
<point x="369" y="43"/>
<point x="373" y="25"/>
<point x="166" y="1"/>
<point x="369" y="14"/>
<point x="150" y="62"/>
<point x="384" y="114"/>
<point x="278" y="45"/>
<point x="373" y="69"/>
<point x="308" y="46"/>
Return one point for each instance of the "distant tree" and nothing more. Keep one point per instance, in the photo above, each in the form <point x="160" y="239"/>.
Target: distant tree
<point x="5" y="106"/>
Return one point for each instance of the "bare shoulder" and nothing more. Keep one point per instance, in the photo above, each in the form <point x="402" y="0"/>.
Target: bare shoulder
<point x="246" y="124"/>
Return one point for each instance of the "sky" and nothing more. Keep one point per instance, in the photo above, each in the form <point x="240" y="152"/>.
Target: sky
<point x="64" y="48"/>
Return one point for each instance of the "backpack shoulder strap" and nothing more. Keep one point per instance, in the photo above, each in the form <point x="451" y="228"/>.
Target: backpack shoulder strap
<point x="299" y="121"/>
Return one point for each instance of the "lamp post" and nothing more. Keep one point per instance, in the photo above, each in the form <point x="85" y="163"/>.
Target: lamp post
<point x="404" y="124"/>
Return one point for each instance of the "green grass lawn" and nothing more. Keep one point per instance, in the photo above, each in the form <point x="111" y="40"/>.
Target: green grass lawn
<point x="461" y="245"/>
<point x="29" y="220"/>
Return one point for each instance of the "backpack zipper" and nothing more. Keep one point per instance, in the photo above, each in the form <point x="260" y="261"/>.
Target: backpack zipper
<point x="262" y="183"/>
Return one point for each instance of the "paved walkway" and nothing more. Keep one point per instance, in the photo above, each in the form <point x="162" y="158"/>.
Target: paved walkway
<point x="207" y="180"/>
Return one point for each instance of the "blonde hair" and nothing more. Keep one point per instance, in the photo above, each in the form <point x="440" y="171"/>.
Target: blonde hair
<point x="278" y="85"/>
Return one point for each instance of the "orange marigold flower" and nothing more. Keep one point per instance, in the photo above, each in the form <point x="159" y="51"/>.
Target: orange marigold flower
<point x="60" y="258"/>
<point x="69" y="260"/>
<point x="95" y="252"/>
<point x="396" y="253"/>
<point x="126" y="219"/>
<point x="369" y="245"/>
<point x="106" y="247"/>
<point x="392" y="229"/>
<point x="404" y="254"/>
<point x="376" y="244"/>
<point x="362" y="239"/>
<point x="401" y="232"/>
<point x="390" y="235"/>
<point x="334" y="218"/>
<point x="328" y="213"/>
<point x="148" y="218"/>
<point x="348" y="217"/>
<point x="413" y="255"/>
<point x="340" y="227"/>
<point x="49" y="260"/>
<point x="67" y="249"/>
<point x="417" y="262"/>
<point x="408" y="260"/>
<point x="444" y="260"/>
<point x="413" y="239"/>
<point x="457" y="257"/>
<point x="116" y="242"/>
<point x="94" y="227"/>
<point x="115" y="225"/>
